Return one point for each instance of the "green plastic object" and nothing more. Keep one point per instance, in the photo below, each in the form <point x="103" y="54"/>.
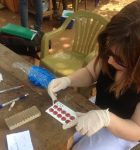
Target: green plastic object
<point x="86" y="28"/>
<point x="68" y="14"/>
<point x="19" y="31"/>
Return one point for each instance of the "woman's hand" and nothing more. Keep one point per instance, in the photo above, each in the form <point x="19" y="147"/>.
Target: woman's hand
<point x="89" y="123"/>
<point x="57" y="85"/>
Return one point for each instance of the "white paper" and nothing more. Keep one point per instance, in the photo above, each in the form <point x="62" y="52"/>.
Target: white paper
<point x="19" y="141"/>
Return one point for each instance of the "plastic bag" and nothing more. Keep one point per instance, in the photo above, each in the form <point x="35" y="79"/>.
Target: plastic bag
<point x="22" y="66"/>
<point x="40" y="76"/>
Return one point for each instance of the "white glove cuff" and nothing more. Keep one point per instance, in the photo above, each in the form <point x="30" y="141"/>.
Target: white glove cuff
<point x="67" y="80"/>
<point x="106" y="112"/>
<point x="104" y="117"/>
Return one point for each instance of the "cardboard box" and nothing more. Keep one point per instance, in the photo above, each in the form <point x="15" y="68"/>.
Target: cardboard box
<point x="13" y="5"/>
<point x="65" y="15"/>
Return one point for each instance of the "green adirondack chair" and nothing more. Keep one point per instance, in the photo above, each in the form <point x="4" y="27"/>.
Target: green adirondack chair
<point x="87" y="26"/>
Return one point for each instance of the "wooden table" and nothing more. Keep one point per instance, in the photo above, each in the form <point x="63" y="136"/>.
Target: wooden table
<point x="46" y="132"/>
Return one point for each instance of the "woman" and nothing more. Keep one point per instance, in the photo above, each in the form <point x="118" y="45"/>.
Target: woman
<point x="117" y="72"/>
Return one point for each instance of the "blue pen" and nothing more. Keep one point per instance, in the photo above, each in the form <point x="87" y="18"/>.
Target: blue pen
<point x="21" y="97"/>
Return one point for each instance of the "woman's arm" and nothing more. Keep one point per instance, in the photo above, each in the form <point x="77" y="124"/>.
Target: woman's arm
<point x="82" y="77"/>
<point x="125" y="128"/>
<point x="85" y="76"/>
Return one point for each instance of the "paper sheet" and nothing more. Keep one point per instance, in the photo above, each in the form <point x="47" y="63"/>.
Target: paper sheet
<point x="19" y="141"/>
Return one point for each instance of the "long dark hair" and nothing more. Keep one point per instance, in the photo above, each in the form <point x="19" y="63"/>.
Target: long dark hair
<point x="123" y="31"/>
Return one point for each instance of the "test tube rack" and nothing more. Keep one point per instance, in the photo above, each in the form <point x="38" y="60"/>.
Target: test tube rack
<point x="23" y="117"/>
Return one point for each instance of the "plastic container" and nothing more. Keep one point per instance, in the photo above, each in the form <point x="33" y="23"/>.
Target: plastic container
<point x="45" y="6"/>
<point x="65" y="15"/>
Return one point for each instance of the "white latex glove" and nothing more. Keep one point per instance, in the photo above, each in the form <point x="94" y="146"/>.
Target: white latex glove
<point x="56" y="85"/>
<point x="91" y="122"/>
